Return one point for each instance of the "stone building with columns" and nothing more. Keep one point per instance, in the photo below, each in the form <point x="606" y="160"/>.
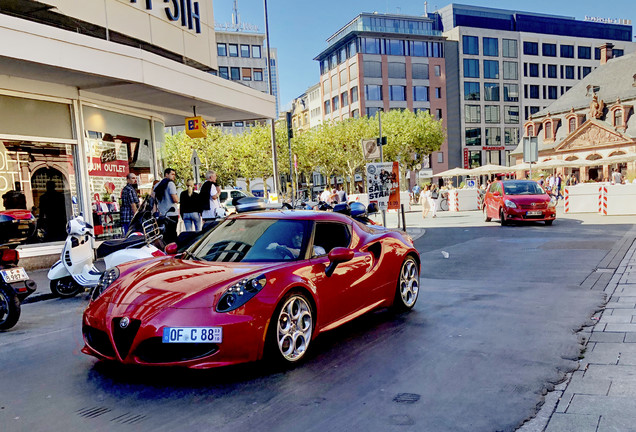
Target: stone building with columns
<point x="593" y="120"/>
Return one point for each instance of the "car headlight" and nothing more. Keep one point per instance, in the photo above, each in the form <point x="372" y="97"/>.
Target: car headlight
<point x="510" y="204"/>
<point x="553" y="202"/>
<point x="107" y="278"/>
<point x="240" y="293"/>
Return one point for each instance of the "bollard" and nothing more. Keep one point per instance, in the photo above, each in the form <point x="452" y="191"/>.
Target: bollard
<point x="403" y="218"/>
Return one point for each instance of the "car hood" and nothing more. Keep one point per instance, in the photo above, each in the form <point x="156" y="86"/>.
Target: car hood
<point x="528" y="199"/>
<point x="174" y="282"/>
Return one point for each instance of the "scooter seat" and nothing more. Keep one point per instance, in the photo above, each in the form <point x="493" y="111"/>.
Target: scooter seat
<point x="110" y="246"/>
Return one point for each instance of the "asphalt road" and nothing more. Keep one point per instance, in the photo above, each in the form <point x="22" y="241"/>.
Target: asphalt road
<point x="496" y="323"/>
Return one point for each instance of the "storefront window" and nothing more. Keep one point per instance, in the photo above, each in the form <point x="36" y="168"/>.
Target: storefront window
<point x="116" y="144"/>
<point x="37" y="183"/>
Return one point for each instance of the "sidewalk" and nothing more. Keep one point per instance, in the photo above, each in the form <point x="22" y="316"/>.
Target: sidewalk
<point x="600" y="395"/>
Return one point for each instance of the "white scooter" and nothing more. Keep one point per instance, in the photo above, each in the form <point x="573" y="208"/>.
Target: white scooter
<point x="75" y="272"/>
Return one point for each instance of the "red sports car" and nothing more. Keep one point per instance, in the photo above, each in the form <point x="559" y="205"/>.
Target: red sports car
<point x="259" y="284"/>
<point x="518" y="200"/>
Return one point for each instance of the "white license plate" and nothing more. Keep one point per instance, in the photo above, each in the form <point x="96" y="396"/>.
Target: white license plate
<point x="14" y="275"/>
<point x="192" y="334"/>
<point x="534" y="213"/>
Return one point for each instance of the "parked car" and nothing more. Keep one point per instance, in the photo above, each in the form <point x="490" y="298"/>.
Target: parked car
<point x="518" y="201"/>
<point x="260" y="284"/>
<point x="228" y="195"/>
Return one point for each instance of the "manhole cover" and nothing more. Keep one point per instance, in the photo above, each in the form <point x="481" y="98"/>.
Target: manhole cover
<point x="406" y="398"/>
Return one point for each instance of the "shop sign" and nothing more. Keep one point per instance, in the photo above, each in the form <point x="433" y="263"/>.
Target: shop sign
<point x="466" y="159"/>
<point x="195" y="127"/>
<point x="493" y="148"/>
<point x="383" y="184"/>
<point x="425" y="173"/>
<point x="185" y="10"/>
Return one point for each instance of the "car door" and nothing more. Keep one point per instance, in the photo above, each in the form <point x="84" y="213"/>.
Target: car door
<point x="342" y="293"/>
<point x="489" y="200"/>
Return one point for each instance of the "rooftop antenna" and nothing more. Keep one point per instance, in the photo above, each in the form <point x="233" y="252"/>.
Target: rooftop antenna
<point x="425" y="8"/>
<point x="236" y="19"/>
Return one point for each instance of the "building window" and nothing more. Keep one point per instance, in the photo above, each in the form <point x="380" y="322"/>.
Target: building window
<point x="491" y="114"/>
<point x="586" y="71"/>
<point x="438" y="114"/>
<point x="510" y="70"/>
<point x="327" y="107"/>
<point x="472" y="114"/>
<point x="530" y="131"/>
<point x="572" y="125"/>
<point x="224" y="72"/>
<point x="397" y="93"/>
<point x="334" y="103"/>
<point x="354" y="94"/>
<point x="355" y="113"/>
<point x="418" y="48"/>
<point x="470" y="45"/>
<point x="491" y="69"/>
<point x="569" y="72"/>
<point x="245" y="50"/>
<point x="352" y="48"/>
<point x="344" y="98"/>
<point x="511" y="93"/>
<point x="373" y="92"/>
<point x="420" y="93"/>
<point x="491" y="46"/>
<point x="372" y="111"/>
<point x="471" y="68"/>
<point x="256" y="51"/>
<point x="511" y="136"/>
<point x="258" y="75"/>
<point x="397" y="70"/>
<point x="369" y="46"/>
<point x="372" y="69"/>
<point x="585" y="52"/>
<point x="233" y="50"/>
<point x="438" y="70"/>
<point x="221" y="49"/>
<point x="511" y="114"/>
<point x="334" y="83"/>
<point x="534" y="92"/>
<point x="567" y="51"/>
<point x="534" y="110"/>
<point x="597" y="53"/>
<point x="552" y="92"/>
<point x="419" y="70"/>
<point x="342" y="54"/>
<point x="440" y="157"/>
<point x="241" y="124"/>
<point x="395" y="47"/>
<point x="471" y="91"/>
<point x="353" y="71"/>
<point x="533" y="69"/>
<point x="552" y="71"/>
<point x="473" y="136"/>
<point x="509" y="48"/>
<point x="531" y="48"/>
<point x="438" y="92"/>
<point x="618" y="53"/>
<point x="492" y="156"/>
<point x="618" y="118"/>
<point x="547" y="128"/>
<point x="247" y="74"/>
<point x="549" y="50"/>
<point x="343" y="77"/>
<point x="235" y="73"/>
<point x="491" y="91"/>
<point x="493" y="137"/>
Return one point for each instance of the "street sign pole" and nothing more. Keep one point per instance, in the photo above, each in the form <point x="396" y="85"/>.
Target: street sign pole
<point x="196" y="167"/>
<point x="530" y="151"/>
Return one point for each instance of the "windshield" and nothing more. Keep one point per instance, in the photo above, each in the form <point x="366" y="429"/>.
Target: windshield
<point x="253" y="240"/>
<point x="525" y="188"/>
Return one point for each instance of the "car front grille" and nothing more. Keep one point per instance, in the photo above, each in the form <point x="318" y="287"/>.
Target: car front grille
<point x="98" y="341"/>
<point x="538" y="206"/>
<point x="124" y="337"/>
<point x="153" y="350"/>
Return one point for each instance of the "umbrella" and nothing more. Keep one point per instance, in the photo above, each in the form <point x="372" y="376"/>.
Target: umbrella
<point x="453" y="172"/>
<point x="552" y="163"/>
<point x="490" y="169"/>
<point x="620" y="158"/>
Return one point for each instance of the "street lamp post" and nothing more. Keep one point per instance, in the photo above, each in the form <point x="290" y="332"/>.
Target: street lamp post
<point x="271" y="92"/>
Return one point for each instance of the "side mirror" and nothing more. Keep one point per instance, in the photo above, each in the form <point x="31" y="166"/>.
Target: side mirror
<point x="171" y="249"/>
<point x="336" y="256"/>
<point x="496" y="193"/>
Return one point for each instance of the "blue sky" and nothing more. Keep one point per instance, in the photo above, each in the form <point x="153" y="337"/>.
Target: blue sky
<point x="299" y="29"/>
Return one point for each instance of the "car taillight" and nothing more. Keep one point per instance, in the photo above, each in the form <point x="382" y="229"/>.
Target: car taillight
<point x="10" y="256"/>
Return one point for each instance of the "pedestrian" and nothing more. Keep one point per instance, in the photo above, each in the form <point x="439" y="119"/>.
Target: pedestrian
<point x="190" y="207"/>
<point x="434" y="199"/>
<point x="342" y="195"/>
<point x="617" y="177"/>
<point x="334" y="196"/>
<point x="209" y="197"/>
<point x="129" y="203"/>
<point x="541" y="180"/>
<point x="558" y="183"/>
<point x="327" y="196"/>
<point x="425" y="201"/>
<point x="166" y="195"/>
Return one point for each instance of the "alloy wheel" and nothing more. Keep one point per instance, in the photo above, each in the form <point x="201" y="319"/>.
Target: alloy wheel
<point x="409" y="284"/>
<point x="294" y="328"/>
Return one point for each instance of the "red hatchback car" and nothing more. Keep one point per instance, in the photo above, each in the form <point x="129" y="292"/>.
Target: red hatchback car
<point x="517" y="201"/>
<point x="257" y="284"/>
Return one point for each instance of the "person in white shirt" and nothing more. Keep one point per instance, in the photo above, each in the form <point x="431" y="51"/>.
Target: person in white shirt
<point x="209" y="196"/>
<point x="617" y="177"/>
<point x="326" y="196"/>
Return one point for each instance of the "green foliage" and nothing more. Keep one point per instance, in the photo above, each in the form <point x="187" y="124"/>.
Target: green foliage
<point x="333" y="148"/>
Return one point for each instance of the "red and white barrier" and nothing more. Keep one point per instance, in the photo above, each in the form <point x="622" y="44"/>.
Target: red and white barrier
<point x="619" y="199"/>
<point x="463" y="199"/>
<point x="582" y="198"/>
<point x="605" y="199"/>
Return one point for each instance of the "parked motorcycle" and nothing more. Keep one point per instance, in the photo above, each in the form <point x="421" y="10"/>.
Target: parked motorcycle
<point x="75" y="272"/>
<point x="15" y="286"/>
<point x="358" y="211"/>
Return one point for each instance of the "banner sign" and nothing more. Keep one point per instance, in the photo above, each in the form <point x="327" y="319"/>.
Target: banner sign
<point x="383" y="184"/>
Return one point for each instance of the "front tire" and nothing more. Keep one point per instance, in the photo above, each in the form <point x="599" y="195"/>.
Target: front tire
<point x="486" y="218"/>
<point x="9" y="308"/>
<point x="549" y="222"/>
<point x="408" y="286"/>
<point x="502" y="218"/>
<point x="291" y="329"/>
<point x="66" y="287"/>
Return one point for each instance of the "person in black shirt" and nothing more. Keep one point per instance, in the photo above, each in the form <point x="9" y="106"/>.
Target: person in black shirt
<point x="190" y="208"/>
